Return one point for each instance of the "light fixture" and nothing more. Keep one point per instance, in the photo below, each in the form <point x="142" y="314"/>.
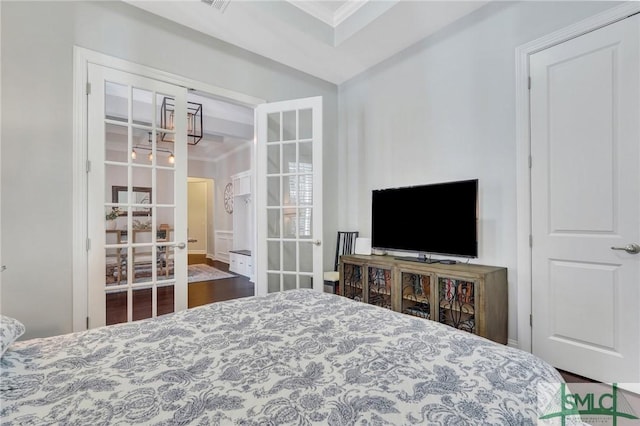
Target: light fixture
<point x="171" y="159"/>
<point x="194" y="121"/>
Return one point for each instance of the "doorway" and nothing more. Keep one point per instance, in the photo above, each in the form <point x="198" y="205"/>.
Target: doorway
<point x="199" y="214"/>
<point x="583" y="299"/>
<point x="586" y="180"/>
<point x="292" y="270"/>
<point x="83" y="241"/>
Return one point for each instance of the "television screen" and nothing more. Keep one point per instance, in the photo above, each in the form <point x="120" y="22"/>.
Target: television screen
<point x="436" y="219"/>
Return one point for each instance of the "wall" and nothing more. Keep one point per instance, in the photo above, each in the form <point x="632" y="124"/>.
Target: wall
<point x="443" y="110"/>
<point x="37" y="135"/>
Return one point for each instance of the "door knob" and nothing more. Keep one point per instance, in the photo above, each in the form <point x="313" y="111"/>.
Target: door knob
<point x="317" y="242"/>
<point x="632" y="248"/>
<point x="181" y="245"/>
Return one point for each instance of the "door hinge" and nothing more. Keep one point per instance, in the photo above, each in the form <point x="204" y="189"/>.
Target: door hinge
<point x="530" y="162"/>
<point x="529" y="83"/>
<point x="87" y="323"/>
<point x="530" y="240"/>
<point x="88" y="166"/>
<point x="88" y="244"/>
<point x="530" y="320"/>
<point x="88" y="89"/>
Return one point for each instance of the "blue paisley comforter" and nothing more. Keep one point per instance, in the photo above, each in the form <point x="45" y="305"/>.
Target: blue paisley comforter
<point x="298" y="357"/>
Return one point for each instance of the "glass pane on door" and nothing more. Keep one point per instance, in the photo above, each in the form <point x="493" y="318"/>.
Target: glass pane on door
<point x="138" y="198"/>
<point x="289" y="196"/>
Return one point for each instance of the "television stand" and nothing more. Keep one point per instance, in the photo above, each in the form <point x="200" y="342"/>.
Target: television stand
<point x="466" y="296"/>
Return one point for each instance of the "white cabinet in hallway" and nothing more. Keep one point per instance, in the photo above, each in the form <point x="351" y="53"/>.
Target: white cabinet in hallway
<point x="240" y="262"/>
<point x="240" y="259"/>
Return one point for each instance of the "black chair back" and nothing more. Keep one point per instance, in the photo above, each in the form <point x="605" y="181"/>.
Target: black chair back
<point x="346" y="244"/>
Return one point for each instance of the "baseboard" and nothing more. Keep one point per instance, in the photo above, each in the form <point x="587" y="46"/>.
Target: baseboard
<point x="513" y="344"/>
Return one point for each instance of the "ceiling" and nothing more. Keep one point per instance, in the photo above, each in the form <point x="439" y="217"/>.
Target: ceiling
<point x="332" y="40"/>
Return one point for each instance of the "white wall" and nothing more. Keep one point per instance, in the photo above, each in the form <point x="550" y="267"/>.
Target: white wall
<point x="444" y="110"/>
<point x="37" y="135"/>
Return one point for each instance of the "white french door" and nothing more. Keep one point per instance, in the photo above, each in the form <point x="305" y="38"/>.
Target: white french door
<point x="585" y="146"/>
<point x="289" y="195"/>
<point x="137" y="263"/>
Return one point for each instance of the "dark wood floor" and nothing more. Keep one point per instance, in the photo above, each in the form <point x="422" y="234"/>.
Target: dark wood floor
<point x="574" y="378"/>
<point x="205" y="292"/>
<point x="199" y="293"/>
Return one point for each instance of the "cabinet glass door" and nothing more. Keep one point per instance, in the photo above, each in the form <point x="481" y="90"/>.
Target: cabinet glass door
<point x="416" y="294"/>
<point x="353" y="286"/>
<point x="380" y="287"/>
<point x="457" y="303"/>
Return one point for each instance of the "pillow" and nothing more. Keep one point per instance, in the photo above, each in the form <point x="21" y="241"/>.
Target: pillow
<point x="10" y="330"/>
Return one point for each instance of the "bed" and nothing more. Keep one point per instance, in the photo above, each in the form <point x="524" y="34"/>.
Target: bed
<point x="296" y="357"/>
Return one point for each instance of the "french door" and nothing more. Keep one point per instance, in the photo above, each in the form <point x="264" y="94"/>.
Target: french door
<point x="289" y="195"/>
<point x="137" y="200"/>
<point x="585" y="146"/>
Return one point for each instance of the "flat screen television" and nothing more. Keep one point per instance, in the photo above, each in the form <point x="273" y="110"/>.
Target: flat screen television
<point x="440" y="218"/>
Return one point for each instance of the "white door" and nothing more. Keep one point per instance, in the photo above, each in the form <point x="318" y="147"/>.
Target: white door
<point x="137" y="262"/>
<point x="585" y="138"/>
<point x="289" y="195"/>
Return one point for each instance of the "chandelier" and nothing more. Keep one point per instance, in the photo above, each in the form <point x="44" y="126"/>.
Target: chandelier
<point x="194" y="121"/>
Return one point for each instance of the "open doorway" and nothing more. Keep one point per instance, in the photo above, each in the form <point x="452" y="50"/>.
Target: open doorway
<point x="199" y="216"/>
<point x="217" y="152"/>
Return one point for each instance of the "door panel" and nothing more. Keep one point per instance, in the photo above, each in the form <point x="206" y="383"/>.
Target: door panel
<point x="289" y="195"/>
<point x="136" y="200"/>
<point x="585" y="97"/>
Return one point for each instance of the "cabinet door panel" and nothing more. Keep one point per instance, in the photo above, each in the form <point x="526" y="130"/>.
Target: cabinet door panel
<point x="416" y="294"/>
<point x="379" y="287"/>
<point x="352" y="282"/>
<point x="457" y="303"/>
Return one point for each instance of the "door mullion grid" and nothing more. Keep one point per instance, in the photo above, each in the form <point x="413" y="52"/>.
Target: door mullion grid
<point x="124" y="167"/>
<point x="130" y="250"/>
<point x="154" y="211"/>
<point x="281" y="183"/>
<point x="297" y="233"/>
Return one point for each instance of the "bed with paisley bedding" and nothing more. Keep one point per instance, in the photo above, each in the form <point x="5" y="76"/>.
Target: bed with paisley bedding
<point x="296" y="357"/>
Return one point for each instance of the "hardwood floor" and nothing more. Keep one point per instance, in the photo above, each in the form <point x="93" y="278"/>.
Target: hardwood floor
<point x="205" y="292"/>
<point x="574" y="378"/>
<point x="199" y="293"/>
